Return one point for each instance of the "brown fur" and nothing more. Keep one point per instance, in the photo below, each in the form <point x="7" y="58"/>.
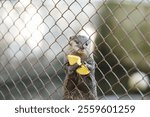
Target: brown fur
<point x="76" y="86"/>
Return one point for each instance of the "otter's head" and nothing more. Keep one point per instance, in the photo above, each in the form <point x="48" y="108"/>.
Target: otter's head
<point x="80" y="44"/>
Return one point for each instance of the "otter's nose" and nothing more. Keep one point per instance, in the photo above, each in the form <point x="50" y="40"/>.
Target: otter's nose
<point x="82" y="47"/>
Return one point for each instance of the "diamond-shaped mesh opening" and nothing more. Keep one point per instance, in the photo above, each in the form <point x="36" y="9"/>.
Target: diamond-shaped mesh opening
<point x="34" y="37"/>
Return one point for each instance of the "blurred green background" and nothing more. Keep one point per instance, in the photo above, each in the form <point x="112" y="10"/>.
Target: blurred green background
<point x="123" y="45"/>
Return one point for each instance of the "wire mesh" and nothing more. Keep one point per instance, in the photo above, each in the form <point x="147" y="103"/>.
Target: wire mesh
<point x="35" y="33"/>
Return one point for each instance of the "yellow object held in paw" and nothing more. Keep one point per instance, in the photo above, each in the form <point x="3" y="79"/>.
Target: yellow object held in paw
<point x="83" y="70"/>
<point x="72" y="59"/>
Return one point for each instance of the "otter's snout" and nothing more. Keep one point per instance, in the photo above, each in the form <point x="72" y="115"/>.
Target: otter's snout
<point x="81" y="47"/>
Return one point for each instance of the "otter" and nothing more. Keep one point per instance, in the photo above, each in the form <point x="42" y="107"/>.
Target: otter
<point x="76" y="86"/>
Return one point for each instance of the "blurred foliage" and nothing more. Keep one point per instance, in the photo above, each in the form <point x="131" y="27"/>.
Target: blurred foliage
<point x="123" y="38"/>
<point x="126" y="31"/>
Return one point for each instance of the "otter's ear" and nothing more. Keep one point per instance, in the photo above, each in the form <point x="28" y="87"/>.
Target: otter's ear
<point x="71" y="38"/>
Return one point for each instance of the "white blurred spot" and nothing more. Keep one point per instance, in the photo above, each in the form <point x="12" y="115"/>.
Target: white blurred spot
<point x="139" y="80"/>
<point x="89" y="32"/>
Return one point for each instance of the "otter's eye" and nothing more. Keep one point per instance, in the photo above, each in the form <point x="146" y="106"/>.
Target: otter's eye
<point x="86" y="44"/>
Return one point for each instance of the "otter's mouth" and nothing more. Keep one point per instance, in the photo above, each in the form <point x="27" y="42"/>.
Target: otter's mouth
<point x="81" y="51"/>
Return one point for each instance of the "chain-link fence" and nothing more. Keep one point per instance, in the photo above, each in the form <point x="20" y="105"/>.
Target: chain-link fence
<point x="34" y="34"/>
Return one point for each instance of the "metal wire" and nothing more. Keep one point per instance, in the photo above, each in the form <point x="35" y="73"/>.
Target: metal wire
<point x="34" y="35"/>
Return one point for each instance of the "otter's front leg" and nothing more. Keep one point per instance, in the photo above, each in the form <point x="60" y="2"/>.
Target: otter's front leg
<point x="70" y="68"/>
<point x="90" y="65"/>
